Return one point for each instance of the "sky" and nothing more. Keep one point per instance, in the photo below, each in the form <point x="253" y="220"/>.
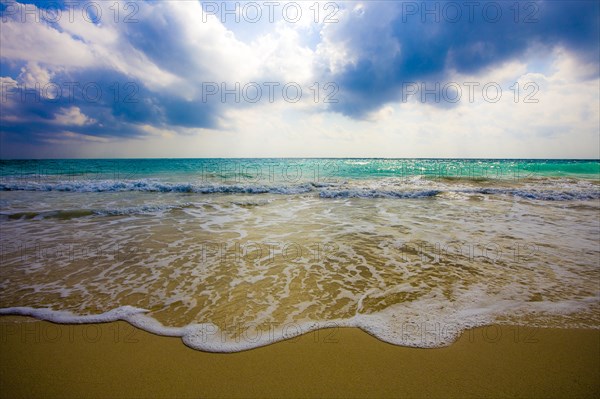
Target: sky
<point x="184" y="78"/>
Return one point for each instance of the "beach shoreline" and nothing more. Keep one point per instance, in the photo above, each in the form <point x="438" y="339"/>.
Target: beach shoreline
<point x="43" y="359"/>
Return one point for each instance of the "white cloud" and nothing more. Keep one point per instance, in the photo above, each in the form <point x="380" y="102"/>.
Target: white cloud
<point x="283" y="57"/>
<point x="38" y="42"/>
<point x="72" y="116"/>
<point x="33" y="74"/>
<point x="564" y="123"/>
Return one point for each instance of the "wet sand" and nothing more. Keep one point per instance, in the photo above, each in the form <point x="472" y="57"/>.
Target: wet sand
<point x="41" y="359"/>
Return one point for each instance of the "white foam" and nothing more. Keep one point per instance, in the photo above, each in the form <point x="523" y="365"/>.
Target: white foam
<point x="365" y="193"/>
<point x="206" y="337"/>
<point x="425" y="323"/>
<point x="563" y="190"/>
<point x="152" y="185"/>
<point x="66" y="317"/>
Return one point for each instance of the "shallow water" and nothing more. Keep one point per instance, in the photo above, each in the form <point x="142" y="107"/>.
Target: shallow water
<point x="233" y="254"/>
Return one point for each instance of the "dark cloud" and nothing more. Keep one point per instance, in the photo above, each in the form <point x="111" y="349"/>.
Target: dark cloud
<point x="115" y="104"/>
<point x="415" y="47"/>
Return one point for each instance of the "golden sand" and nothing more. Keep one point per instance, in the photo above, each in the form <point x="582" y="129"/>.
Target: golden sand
<point x="41" y="359"/>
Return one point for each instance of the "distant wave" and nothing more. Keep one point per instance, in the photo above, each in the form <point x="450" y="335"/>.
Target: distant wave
<point x="570" y="192"/>
<point x="377" y="194"/>
<point x="544" y="195"/>
<point x="66" y="214"/>
<point x="155" y="186"/>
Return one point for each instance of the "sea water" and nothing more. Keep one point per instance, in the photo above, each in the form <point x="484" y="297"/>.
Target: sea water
<point x="231" y="254"/>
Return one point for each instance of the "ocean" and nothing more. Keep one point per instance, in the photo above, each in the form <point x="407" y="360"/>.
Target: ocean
<point x="232" y="254"/>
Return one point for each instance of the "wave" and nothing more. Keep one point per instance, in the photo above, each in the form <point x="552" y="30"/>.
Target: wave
<point x="377" y="194"/>
<point x="543" y="195"/>
<point x="564" y="191"/>
<point x="540" y="195"/>
<point x="66" y="214"/>
<point x="404" y="326"/>
<point x="155" y="186"/>
<point x="54" y="214"/>
<point x="206" y="337"/>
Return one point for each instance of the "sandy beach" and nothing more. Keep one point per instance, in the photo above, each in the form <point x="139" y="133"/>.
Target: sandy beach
<point x="41" y="359"/>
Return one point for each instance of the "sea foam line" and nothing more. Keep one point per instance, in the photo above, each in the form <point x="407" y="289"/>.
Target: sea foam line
<point x="324" y="190"/>
<point x="206" y="337"/>
<point x="147" y="185"/>
<point x="413" y="325"/>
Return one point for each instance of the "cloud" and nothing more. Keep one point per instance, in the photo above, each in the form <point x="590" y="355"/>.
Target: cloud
<point x="72" y="116"/>
<point x="118" y="75"/>
<point x="373" y="53"/>
<point x="142" y="74"/>
<point x="149" y="67"/>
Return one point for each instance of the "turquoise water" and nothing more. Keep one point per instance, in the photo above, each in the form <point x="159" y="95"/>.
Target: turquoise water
<point x="293" y="170"/>
<point x="230" y="254"/>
